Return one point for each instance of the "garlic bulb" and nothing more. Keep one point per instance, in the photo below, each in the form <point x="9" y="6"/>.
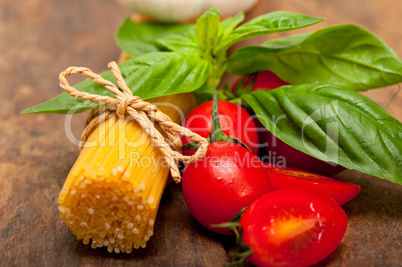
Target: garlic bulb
<point x="185" y="10"/>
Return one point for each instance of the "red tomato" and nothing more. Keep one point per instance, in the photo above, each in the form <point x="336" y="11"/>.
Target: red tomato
<point x="279" y="151"/>
<point x="292" y="227"/>
<point x="235" y="122"/>
<point x="285" y="155"/>
<point x="219" y="185"/>
<point x="281" y="177"/>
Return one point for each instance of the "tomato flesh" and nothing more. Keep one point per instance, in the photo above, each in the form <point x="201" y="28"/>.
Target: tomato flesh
<point x="219" y="185"/>
<point x="234" y="120"/>
<point x="281" y="177"/>
<point x="292" y="227"/>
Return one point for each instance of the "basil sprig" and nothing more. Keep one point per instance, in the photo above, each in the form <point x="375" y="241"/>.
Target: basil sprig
<point x="334" y="124"/>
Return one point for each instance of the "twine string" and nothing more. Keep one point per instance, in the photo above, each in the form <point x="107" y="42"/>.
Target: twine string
<point x="164" y="133"/>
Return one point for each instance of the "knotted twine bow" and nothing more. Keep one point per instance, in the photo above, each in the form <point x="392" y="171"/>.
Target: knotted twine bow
<point x="145" y="114"/>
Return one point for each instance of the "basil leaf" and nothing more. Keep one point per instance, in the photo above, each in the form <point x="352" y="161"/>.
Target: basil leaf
<point x="252" y="59"/>
<point x="333" y="123"/>
<point x="139" y="38"/>
<point x="229" y="24"/>
<point x="278" y="21"/>
<point x="346" y="55"/>
<point x="207" y="28"/>
<point x="148" y="76"/>
<point x="186" y="43"/>
<point x="286" y="42"/>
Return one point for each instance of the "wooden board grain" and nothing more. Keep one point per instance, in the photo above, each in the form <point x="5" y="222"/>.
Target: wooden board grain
<point x="42" y="38"/>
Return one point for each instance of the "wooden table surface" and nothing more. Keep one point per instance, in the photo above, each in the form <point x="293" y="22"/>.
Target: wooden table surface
<point x="40" y="38"/>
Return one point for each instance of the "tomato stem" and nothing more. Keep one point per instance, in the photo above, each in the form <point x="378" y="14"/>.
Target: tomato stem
<point x="243" y="251"/>
<point x="216" y="126"/>
<point x="212" y="138"/>
<point x="217" y="134"/>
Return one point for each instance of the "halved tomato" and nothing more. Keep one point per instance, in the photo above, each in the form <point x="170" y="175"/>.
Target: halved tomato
<point x="282" y="177"/>
<point x="292" y="227"/>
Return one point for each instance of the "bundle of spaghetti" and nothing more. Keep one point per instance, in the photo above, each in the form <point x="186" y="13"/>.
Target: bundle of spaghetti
<point x="112" y="193"/>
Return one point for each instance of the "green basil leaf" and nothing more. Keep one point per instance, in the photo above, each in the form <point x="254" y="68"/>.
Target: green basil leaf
<point x="346" y="55"/>
<point x="207" y="28"/>
<point x="229" y="24"/>
<point x="186" y="43"/>
<point x="139" y="38"/>
<point x="335" y="124"/>
<point x="286" y="42"/>
<point x="278" y="21"/>
<point x="148" y="76"/>
<point x="252" y="59"/>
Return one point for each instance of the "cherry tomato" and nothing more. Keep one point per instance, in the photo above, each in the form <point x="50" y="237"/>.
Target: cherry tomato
<point x="340" y="191"/>
<point x="234" y="120"/>
<point x="219" y="185"/>
<point x="287" y="156"/>
<point x="292" y="227"/>
<point x="279" y="151"/>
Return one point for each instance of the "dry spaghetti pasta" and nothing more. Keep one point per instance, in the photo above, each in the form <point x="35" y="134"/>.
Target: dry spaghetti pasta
<point x="111" y="195"/>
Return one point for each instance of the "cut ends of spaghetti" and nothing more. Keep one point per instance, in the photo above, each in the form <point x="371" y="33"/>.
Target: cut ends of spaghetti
<point x="107" y="200"/>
